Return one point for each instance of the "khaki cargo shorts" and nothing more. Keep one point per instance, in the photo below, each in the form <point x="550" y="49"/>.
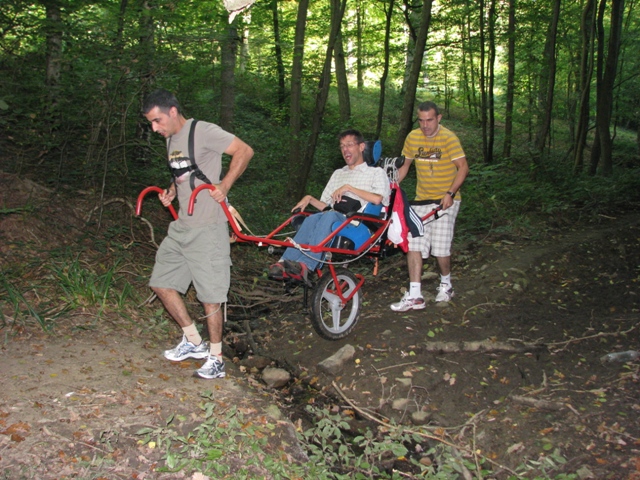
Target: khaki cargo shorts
<point x="195" y="255"/>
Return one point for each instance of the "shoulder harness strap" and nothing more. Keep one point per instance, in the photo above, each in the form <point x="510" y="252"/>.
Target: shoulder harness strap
<point x="196" y="170"/>
<point x="193" y="166"/>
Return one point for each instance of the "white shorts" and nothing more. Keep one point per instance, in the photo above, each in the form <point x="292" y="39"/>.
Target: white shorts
<point x="438" y="234"/>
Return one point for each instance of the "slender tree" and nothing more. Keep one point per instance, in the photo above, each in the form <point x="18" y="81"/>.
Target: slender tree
<point x="278" y="53"/>
<point x="491" y="81"/>
<point x="120" y="24"/>
<point x="547" y="82"/>
<point x="406" y="117"/>
<point x="388" y="10"/>
<point x="337" y="12"/>
<point x="295" y="109"/>
<point x="511" y="74"/>
<point x="466" y="85"/>
<point x="409" y="14"/>
<point x="605" y="86"/>
<point x="227" y="75"/>
<point x="53" y="31"/>
<point x="341" y="79"/>
<point x="359" y="46"/>
<point x="587" y="26"/>
<point x="484" y="107"/>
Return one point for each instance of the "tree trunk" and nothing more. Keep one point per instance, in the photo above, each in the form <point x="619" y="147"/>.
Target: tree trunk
<point x="359" y="49"/>
<point x="146" y="41"/>
<point x="278" y="52"/>
<point x="120" y="24"/>
<point x="605" y="87"/>
<point x="483" y="84"/>
<point x="408" y="11"/>
<point x="146" y="47"/>
<point x="406" y="117"/>
<point x="227" y="77"/>
<point x="599" y="61"/>
<point x="295" y="115"/>
<point x="474" y="100"/>
<point x="342" y="82"/>
<point x="491" y="73"/>
<point x="385" y="71"/>
<point x="53" y="31"/>
<point x="511" y="74"/>
<point x="587" y="26"/>
<point x="243" y="42"/>
<point x="301" y="174"/>
<point x="466" y="88"/>
<point x="547" y="83"/>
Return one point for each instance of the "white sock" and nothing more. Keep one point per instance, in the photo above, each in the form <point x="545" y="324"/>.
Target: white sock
<point x="215" y="349"/>
<point x="446" y="279"/>
<point x="192" y="334"/>
<point x="415" y="290"/>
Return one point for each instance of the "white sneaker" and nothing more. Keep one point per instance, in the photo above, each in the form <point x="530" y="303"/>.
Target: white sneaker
<point x="212" y="368"/>
<point x="185" y="349"/>
<point x="408" y="303"/>
<point x="445" y="293"/>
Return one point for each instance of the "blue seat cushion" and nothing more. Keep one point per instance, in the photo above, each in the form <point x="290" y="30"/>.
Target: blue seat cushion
<point x="357" y="234"/>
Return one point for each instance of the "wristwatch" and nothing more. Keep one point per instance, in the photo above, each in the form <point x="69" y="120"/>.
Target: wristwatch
<point x="453" y="195"/>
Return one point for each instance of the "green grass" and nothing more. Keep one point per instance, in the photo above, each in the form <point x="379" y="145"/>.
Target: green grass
<point x="227" y="443"/>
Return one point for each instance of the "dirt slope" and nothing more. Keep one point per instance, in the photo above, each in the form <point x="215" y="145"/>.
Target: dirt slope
<point x="557" y="305"/>
<point x="509" y="372"/>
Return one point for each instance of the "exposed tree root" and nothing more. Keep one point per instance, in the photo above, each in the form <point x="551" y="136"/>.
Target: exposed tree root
<point x="538" y="403"/>
<point x="487" y="345"/>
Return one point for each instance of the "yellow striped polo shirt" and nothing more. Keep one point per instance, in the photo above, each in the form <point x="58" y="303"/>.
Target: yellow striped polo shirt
<point x="433" y="158"/>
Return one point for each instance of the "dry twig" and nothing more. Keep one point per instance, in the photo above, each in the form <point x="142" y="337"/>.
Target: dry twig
<point x="467" y="450"/>
<point x="488" y="304"/>
<point x="566" y="343"/>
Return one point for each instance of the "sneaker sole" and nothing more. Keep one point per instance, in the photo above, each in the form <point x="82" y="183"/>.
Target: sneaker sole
<point x="198" y="356"/>
<point x="413" y="307"/>
<point x="446" y="300"/>
<point x="209" y="377"/>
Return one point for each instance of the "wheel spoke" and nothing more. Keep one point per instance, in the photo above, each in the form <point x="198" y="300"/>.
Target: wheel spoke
<point x="336" y="311"/>
<point x="333" y="318"/>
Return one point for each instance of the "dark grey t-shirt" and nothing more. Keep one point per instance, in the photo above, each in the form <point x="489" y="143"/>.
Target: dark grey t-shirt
<point x="210" y="143"/>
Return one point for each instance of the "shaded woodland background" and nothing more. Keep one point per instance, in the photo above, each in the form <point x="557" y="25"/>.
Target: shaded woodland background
<point x="544" y="95"/>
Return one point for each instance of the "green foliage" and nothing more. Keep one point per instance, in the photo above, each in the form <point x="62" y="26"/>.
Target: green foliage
<point x="512" y="196"/>
<point x="223" y="443"/>
<point x="83" y="286"/>
<point x="86" y="131"/>
<point x="23" y="309"/>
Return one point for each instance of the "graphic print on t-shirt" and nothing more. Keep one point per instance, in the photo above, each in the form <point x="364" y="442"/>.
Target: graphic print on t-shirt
<point x="179" y="165"/>
<point x="429" y="154"/>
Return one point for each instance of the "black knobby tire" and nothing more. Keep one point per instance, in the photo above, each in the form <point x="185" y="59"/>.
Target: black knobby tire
<point x="330" y="319"/>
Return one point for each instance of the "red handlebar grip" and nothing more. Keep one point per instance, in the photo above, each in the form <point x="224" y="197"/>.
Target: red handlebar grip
<point x="144" y="193"/>
<point x="194" y="194"/>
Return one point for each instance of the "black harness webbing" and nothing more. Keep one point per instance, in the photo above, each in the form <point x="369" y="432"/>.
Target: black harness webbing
<point x="193" y="167"/>
<point x="424" y="202"/>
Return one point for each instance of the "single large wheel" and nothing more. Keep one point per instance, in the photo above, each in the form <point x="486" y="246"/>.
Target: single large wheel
<point x="331" y="318"/>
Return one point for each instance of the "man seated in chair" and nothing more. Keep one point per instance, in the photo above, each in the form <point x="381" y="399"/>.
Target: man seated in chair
<point x="350" y="189"/>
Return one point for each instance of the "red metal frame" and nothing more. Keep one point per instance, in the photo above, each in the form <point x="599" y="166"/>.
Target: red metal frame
<point x="144" y="193"/>
<point x="368" y="247"/>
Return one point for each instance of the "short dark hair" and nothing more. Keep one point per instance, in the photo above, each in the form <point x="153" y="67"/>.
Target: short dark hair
<point x="352" y="132"/>
<point x="426" y="106"/>
<point x="161" y="98"/>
